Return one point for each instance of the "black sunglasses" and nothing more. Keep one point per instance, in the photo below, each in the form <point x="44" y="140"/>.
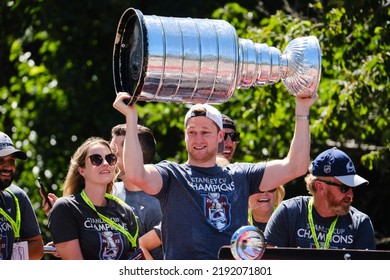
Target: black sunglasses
<point x="235" y="136"/>
<point x="343" y="188"/>
<point x="97" y="159"/>
<point x="270" y="191"/>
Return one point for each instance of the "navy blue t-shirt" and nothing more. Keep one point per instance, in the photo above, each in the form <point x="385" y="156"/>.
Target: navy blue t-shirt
<point x="203" y="207"/>
<point x="72" y="218"/>
<point x="289" y="227"/>
<point x="29" y="226"/>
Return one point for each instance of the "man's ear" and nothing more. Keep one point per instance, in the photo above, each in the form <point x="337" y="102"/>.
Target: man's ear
<point x="221" y="136"/>
<point x="320" y="188"/>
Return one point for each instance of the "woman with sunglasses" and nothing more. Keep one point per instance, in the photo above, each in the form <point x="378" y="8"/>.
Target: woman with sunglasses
<point x="325" y="219"/>
<point x="87" y="222"/>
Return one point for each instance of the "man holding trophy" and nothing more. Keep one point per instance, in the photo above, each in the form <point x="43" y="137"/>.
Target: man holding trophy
<point x="188" y="192"/>
<point x="203" y="203"/>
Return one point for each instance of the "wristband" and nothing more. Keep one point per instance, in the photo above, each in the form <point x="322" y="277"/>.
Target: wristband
<point x="302" y="117"/>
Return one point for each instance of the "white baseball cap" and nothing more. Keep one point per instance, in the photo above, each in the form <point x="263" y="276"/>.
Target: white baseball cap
<point x="209" y="111"/>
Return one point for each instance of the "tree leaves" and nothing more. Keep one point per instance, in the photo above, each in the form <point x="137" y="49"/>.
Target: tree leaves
<point x="56" y="87"/>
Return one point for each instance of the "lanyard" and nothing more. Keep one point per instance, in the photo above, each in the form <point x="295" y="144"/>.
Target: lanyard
<point x="15" y="225"/>
<point x="132" y="239"/>
<point x="250" y="216"/>
<point x="313" y="230"/>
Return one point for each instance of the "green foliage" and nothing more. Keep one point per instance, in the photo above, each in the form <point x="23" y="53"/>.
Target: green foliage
<point x="56" y="86"/>
<point x="353" y="110"/>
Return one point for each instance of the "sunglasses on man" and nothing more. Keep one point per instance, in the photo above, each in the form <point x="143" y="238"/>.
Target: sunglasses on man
<point x="235" y="136"/>
<point x="97" y="159"/>
<point x="343" y="188"/>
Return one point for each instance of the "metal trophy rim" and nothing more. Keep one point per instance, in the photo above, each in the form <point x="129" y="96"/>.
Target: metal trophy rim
<point x="130" y="20"/>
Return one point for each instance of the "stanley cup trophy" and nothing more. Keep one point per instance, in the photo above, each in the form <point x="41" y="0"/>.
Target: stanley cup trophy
<point x="203" y="61"/>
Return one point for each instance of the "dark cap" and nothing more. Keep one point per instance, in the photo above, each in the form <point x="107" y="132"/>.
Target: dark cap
<point x="335" y="163"/>
<point x="7" y="147"/>
<point x="227" y="122"/>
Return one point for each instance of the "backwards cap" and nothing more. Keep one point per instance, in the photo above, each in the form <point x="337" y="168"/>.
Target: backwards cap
<point x="228" y="122"/>
<point x="209" y="112"/>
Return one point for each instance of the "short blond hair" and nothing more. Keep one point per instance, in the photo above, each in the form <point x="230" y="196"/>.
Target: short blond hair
<point x="310" y="180"/>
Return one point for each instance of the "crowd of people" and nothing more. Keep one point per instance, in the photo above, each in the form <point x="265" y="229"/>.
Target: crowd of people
<point x="118" y="204"/>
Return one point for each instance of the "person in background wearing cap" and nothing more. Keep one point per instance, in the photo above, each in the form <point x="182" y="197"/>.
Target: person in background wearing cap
<point x="325" y="219"/>
<point x="262" y="204"/>
<point x="231" y="138"/>
<point x="18" y="221"/>
<point x="203" y="203"/>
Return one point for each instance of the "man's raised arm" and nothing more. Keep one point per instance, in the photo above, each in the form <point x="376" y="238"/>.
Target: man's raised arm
<point x="146" y="176"/>
<point x="296" y="163"/>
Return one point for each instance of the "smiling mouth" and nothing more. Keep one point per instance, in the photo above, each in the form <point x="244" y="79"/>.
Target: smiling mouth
<point x="263" y="200"/>
<point x="199" y="147"/>
<point x="7" y="174"/>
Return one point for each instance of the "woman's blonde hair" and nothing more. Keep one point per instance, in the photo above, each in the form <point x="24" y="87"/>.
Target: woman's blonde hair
<point x="280" y="194"/>
<point x="74" y="182"/>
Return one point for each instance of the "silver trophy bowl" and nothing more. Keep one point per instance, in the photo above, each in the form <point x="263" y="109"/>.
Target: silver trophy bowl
<point x="167" y="59"/>
<point x="247" y="243"/>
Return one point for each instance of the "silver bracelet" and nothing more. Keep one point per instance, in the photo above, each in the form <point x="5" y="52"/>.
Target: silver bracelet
<point x="302" y="117"/>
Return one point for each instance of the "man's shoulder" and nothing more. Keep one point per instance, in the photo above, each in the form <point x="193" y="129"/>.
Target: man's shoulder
<point x="246" y="164"/>
<point x="16" y="190"/>
<point x="170" y="167"/>
<point x="167" y="162"/>
<point x="357" y="213"/>
<point x="296" y="201"/>
<point x="68" y="199"/>
<point x="245" y="167"/>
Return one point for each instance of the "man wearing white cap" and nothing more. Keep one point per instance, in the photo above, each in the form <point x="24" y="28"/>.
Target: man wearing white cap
<point x="20" y="235"/>
<point x="326" y="219"/>
<point x="203" y="203"/>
